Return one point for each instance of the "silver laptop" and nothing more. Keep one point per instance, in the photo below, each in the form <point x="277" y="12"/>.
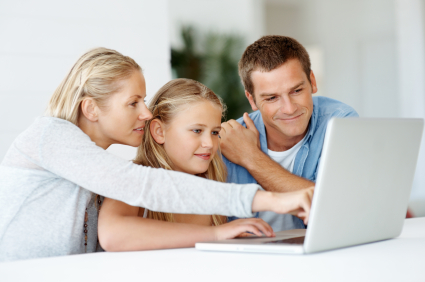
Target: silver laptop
<point x="362" y="190"/>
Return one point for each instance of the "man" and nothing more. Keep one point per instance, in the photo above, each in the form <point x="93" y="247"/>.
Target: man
<point x="280" y="147"/>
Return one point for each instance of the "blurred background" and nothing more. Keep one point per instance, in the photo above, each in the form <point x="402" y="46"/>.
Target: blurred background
<point x="369" y="54"/>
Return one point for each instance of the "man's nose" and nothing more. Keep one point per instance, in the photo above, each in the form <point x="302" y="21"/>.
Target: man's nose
<point x="287" y="106"/>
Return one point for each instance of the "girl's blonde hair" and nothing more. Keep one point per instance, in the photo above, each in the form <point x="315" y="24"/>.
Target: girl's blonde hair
<point x="96" y="75"/>
<point x="166" y="103"/>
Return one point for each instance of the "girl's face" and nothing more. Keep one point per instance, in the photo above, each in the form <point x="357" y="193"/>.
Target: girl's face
<point x="123" y="118"/>
<point x="191" y="138"/>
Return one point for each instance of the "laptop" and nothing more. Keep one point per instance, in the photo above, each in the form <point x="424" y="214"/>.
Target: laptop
<point x="362" y="190"/>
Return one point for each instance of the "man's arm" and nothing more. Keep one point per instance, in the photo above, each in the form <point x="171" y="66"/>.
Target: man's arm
<point x="241" y="146"/>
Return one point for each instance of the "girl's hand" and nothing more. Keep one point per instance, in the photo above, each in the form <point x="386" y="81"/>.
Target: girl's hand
<point x="297" y="203"/>
<point x="240" y="226"/>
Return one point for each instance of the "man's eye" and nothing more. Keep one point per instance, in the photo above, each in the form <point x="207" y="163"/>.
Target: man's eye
<point x="298" y="90"/>
<point x="271" y="98"/>
<point x="197" y="130"/>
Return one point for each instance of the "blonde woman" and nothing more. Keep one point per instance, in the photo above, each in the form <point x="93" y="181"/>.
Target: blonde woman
<point x="54" y="171"/>
<point x="182" y="136"/>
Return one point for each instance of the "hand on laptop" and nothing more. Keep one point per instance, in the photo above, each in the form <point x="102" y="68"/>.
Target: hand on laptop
<point x="297" y="203"/>
<point x="239" y="227"/>
<point x="301" y="203"/>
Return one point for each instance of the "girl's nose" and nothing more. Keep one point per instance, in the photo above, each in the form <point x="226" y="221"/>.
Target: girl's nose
<point x="207" y="142"/>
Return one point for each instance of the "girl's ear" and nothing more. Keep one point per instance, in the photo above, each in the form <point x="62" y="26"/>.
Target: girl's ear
<point x="89" y="109"/>
<point x="156" y="128"/>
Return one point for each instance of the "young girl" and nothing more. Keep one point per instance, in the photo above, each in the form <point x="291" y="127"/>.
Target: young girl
<point x="182" y="136"/>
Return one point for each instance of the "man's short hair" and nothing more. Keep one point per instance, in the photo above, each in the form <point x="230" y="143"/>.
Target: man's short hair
<point x="268" y="53"/>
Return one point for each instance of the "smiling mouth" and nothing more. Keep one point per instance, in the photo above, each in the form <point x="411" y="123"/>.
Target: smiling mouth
<point x="203" y="156"/>
<point x="289" y="119"/>
<point x="139" y="129"/>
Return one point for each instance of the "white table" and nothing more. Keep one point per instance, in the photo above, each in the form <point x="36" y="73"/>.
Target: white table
<point x="400" y="259"/>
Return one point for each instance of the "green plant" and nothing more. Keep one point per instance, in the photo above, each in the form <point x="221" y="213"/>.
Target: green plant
<point x="213" y="60"/>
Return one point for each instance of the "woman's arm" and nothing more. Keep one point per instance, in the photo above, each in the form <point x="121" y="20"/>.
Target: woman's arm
<point x="297" y="203"/>
<point x="121" y="229"/>
<point x="63" y="149"/>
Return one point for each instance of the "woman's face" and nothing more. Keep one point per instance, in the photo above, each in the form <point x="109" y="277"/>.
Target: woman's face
<point x="191" y="138"/>
<point x="122" y="119"/>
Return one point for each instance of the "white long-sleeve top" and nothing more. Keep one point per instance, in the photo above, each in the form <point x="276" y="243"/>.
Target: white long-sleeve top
<point x="52" y="169"/>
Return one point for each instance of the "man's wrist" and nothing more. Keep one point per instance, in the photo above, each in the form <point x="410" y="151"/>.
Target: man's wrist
<point x="251" y="162"/>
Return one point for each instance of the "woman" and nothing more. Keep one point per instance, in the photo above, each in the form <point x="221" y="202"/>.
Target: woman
<point x="53" y="170"/>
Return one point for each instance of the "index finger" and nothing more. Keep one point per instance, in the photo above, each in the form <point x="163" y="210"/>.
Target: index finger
<point x="306" y="205"/>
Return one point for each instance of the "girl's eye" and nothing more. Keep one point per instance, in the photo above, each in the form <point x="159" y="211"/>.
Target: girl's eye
<point x="133" y="104"/>
<point x="197" y="130"/>
<point x="214" y="133"/>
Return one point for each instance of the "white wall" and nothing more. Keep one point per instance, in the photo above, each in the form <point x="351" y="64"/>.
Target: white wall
<point x="40" y="41"/>
<point x="244" y="17"/>
<point x="411" y="76"/>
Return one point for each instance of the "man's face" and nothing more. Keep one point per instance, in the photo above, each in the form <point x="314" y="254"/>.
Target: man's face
<point x="284" y="98"/>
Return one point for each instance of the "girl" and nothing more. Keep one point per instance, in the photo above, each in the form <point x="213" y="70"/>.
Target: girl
<point x="53" y="171"/>
<point x="182" y="136"/>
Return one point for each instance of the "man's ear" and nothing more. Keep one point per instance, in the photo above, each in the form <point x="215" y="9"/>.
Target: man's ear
<point x="156" y="128"/>
<point x="313" y="83"/>
<point x="90" y="109"/>
<point x="251" y="101"/>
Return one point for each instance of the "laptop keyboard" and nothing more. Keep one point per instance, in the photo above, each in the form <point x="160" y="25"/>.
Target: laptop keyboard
<point x="296" y="240"/>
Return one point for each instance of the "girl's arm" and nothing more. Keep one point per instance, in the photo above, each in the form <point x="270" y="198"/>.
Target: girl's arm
<point x="121" y="229"/>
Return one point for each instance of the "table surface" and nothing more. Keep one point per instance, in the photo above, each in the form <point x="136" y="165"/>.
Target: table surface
<point x="399" y="259"/>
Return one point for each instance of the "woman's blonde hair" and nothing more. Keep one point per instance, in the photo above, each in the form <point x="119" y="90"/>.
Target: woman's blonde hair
<point x="96" y="75"/>
<point x="166" y="103"/>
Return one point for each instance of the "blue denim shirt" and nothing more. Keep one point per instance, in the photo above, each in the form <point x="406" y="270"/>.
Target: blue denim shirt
<point x="307" y="159"/>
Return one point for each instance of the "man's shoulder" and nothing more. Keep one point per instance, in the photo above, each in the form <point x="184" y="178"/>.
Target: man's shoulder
<point x="328" y="107"/>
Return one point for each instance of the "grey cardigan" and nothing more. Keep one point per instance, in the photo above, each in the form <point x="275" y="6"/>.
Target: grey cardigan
<point x="52" y="170"/>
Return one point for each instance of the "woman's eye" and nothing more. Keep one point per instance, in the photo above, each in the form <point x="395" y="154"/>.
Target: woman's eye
<point x="133" y="104"/>
<point x="214" y="133"/>
<point x="197" y="130"/>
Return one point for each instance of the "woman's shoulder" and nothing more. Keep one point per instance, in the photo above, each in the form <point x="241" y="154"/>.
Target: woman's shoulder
<point x="44" y="124"/>
<point x="48" y="122"/>
<point x="43" y="133"/>
<point x="45" y="129"/>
